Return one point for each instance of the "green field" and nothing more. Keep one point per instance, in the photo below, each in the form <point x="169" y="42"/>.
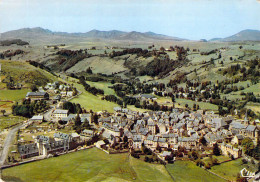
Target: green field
<point x="230" y="169"/>
<point x="104" y="86"/>
<point x="90" y="165"/>
<point x="220" y="158"/>
<point x="203" y="105"/>
<point x="187" y="171"/>
<point x="90" y="101"/>
<point x="13" y="95"/>
<point x="9" y="121"/>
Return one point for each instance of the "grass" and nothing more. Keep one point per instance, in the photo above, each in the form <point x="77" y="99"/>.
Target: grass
<point x="89" y="101"/>
<point x="203" y="105"/>
<point x="230" y="169"/>
<point x="187" y="171"/>
<point x="89" y="165"/>
<point x="24" y="73"/>
<point x="13" y="95"/>
<point x="104" y="86"/>
<point x="9" y="97"/>
<point x="6" y="121"/>
<point x="253" y="106"/>
<point x="220" y="158"/>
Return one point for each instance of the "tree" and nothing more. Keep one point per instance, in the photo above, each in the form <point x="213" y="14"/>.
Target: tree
<point x="248" y="146"/>
<point x="216" y="150"/>
<point x="203" y="140"/>
<point x="89" y="70"/>
<point x="173" y="98"/>
<point x="168" y="158"/>
<point x="95" y="119"/>
<point x="194" y="107"/>
<point x="33" y="88"/>
<point x="162" y="49"/>
<point x="3" y="112"/>
<point x="77" y="120"/>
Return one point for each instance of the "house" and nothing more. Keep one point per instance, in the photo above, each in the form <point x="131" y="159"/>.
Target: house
<point x="28" y="150"/>
<point x="37" y="96"/>
<point x="165" y="153"/>
<point x="151" y="126"/>
<point x="230" y="150"/>
<point x="100" y="144"/>
<point x="57" y="98"/>
<point x="88" y="133"/>
<point x="69" y="94"/>
<point x="38" y="119"/>
<point x="252" y="132"/>
<point x="60" y="113"/>
<point x="137" y="141"/>
<point x="49" y="145"/>
<point x="237" y="139"/>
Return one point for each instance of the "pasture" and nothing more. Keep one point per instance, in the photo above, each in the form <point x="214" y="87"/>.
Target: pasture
<point x="88" y="165"/>
<point x="187" y="171"/>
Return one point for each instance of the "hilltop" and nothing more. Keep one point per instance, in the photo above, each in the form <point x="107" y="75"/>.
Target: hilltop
<point x="244" y="35"/>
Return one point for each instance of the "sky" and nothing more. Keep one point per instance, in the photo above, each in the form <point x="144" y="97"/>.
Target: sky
<point x="191" y="19"/>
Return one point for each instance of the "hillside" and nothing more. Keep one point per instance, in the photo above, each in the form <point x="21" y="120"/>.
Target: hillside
<point x="245" y="35"/>
<point x="23" y="73"/>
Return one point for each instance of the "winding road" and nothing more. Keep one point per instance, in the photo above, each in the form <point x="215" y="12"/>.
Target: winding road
<point x="8" y="142"/>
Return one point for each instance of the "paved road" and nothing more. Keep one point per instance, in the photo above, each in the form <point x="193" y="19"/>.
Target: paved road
<point x="47" y="115"/>
<point x="8" y="142"/>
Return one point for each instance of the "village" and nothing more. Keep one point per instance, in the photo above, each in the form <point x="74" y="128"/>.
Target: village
<point x="158" y="136"/>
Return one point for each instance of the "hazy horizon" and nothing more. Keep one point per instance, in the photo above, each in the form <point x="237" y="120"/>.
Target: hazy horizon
<point x="189" y="19"/>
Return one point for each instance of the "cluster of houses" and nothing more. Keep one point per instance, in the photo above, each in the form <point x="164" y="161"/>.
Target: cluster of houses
<point x="56" y="88"/>
<point x="178" y="128"/>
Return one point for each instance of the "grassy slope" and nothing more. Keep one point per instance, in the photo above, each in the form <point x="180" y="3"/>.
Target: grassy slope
<point x="230" y="169"/>
<point x="9" y="121"/>
<point x="104" y="86"/>
<point x="187" y="171"/>
<point x="13" y="95"/>
<point x="90" y="165"/>
<point x="203" y="105"/>
<point x="24" y="73"/>
<point x="89" y="101"/>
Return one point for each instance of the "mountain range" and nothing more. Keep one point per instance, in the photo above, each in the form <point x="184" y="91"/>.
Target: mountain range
<point x="40" y="33"/>
<point x="44" y="35"/>
<point x="245" y="35"/>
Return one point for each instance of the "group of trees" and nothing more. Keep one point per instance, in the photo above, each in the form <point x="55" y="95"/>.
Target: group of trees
<point x="80" y="126"/>
<point x="10" y="53"/>
<point x="90" y="89"/>
<point x="113" y="98"/>
<point x="29" y="108"/>
<point x="250" y="149"/>
<point x="250" y="71"/>
<point x="138" y="51"/>
<point x="73" y="108"/>
<point x="13" y="41"/>
<point x="209" y="52"/>
<point x="40" y="65"/>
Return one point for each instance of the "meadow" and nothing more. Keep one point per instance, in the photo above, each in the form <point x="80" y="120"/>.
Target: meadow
<point x="229" y="170"/>
<point x="187" y="171"/>
<point x="88" y="165"/>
